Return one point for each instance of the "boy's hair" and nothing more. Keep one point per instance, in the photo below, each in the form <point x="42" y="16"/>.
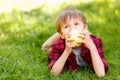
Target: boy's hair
<point x="69" y="12"/>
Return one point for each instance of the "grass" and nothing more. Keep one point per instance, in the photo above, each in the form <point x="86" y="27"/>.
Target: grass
<point x="22" y="34"/>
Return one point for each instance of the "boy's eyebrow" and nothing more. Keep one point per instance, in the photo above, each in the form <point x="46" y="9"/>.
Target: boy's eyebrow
<point x="65" y="25"/>
<point x="77" y="20"/>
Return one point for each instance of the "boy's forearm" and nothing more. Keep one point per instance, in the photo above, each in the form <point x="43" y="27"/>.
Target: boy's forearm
<point x="97" y="61"/>
<point x="54" y="38"/>
<point x="58" y="66"/>
<point x="46" y="46"/>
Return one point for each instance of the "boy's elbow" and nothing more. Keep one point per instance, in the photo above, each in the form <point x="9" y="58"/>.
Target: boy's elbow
<point x="102" y="74"/>
<point x="55" y="73"/>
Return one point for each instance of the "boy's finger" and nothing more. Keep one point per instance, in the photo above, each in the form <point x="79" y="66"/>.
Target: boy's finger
<point x="50" y="49"/>
<point x="81" y="36"/>
<point x="82" y="41"/>
<point x="82" y="33"/>
<point x="68" y="36"/>
<point x="79" y="42"/>
<point x="70" y="40"/>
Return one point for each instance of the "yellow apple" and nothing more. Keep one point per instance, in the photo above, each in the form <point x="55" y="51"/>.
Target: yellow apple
<point x="74" y="35"/>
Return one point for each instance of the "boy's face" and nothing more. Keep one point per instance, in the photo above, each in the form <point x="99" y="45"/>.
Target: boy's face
<point x="71" y="24"/>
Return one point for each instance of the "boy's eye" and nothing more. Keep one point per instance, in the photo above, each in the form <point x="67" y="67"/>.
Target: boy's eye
<point x="66" y="27"/>
<point x="76" y="23"/>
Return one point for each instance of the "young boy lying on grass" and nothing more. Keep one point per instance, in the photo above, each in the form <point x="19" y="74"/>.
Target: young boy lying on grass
<point x="73" y="46"/>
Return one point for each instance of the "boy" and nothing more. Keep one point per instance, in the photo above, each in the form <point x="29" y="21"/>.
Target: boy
<point x="65" y="53"/>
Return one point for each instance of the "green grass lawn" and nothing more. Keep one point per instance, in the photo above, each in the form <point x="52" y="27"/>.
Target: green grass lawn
<point x="22" y="34"/>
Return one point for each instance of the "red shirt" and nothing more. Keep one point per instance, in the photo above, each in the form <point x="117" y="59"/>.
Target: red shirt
<point x="59" y="47"/>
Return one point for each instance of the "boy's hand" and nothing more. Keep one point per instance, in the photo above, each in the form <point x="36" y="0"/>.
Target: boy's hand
<point x="46" y="46"/>
<point x="87" y="39"/>
<point x="69" y="44"/>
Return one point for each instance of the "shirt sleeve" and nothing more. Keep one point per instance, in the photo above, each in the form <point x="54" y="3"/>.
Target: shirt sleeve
<point x="52" y="57"/>
<point x="99" y="46"/>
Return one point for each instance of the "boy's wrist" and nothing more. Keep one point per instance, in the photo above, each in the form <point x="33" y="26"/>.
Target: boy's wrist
<point x="68" y="50"/>
<point x="92" y="46"/>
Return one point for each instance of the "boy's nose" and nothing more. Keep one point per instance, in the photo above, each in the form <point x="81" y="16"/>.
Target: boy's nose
<point x="73" y="28"/>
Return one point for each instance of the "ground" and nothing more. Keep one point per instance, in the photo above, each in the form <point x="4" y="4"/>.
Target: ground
<point x="23" y="32"/>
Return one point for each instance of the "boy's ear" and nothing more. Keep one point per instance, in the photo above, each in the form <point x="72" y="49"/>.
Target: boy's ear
<point x="86" y="27"/>
<point x="61" y="36"/>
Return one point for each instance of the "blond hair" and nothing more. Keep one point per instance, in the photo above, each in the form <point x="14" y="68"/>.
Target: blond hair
<point x="68" y="12"/>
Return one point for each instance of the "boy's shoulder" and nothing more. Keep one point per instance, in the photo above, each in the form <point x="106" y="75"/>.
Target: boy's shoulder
<point x="95" y="37"/>
<point x="59" y="44"/>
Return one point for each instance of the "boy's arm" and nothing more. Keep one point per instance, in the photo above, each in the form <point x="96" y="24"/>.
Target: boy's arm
<point x="97" y="61"/>
<point x="46" y="46"/>
<point x="59" y="61"/>
<point x="59" y="64"/>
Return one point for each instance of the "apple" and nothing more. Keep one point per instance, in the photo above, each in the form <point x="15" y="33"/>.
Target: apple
<point x="76" y="40"/>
